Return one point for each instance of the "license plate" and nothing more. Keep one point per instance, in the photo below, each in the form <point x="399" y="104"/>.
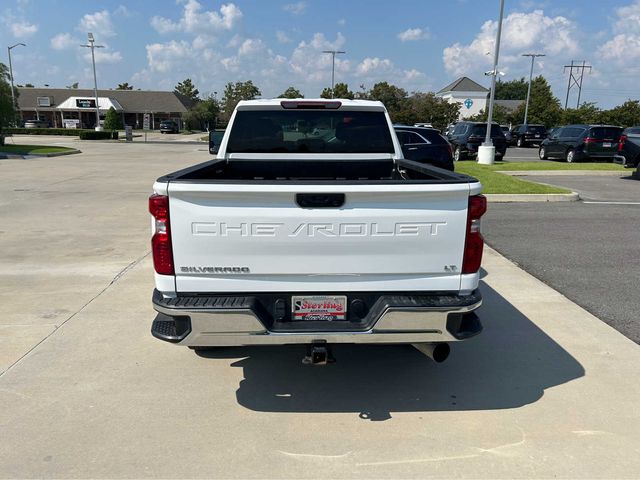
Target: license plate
<point x="537" y="136"/>
<point x="319" y="308"/>
<point x="606" y="145"/>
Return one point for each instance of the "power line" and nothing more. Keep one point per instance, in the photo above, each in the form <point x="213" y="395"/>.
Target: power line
<point x="574" y="80"/>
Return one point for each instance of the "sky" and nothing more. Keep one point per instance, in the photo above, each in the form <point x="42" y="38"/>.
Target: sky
<point x="420" y="45"/>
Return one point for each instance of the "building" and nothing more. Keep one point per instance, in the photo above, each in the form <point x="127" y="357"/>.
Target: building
<point x="76" y="108"/>
<point x="471" y="95"/>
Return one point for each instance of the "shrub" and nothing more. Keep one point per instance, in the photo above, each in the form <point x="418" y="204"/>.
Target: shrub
<point x="72" y="132"/>
<point x="103" y="135"/>
<point x="113" y="120"/>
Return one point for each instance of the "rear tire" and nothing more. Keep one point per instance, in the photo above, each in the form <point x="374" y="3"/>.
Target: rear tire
<point x="520" y="143"/>
<point x="542" y="153"/>
<point x="458" y="155"/>
<point x="570" y="156"/>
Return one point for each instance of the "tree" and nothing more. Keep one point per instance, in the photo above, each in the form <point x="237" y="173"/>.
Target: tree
<point x="291" y="92"/>
<point x="73" y="85"/>
<point x="544" y="107"/>
<point x="29" y="85"/>
<point x="326" y="93"/>
<point x="394" y="98"/>
<point x="187" y="88"/>
<point x="124" y="86"/>
<point x="625" y="115"/>
<point x="586" y="113"/>
<point x="511" y="90"/>
<point x="7" y="117"/>
<point x="234" y="92"/>
<point x="500" y="115"/>
<point x="202" y="115"/>
<point x="426" y="107"/>
<point x="341" y="90"/>
<point x="113" y="120"/>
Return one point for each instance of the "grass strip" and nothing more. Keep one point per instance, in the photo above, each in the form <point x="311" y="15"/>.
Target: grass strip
<point x="494" y="182"/>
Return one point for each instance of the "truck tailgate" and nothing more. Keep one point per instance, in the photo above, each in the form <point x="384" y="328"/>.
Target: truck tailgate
<point x="255" y="237"/>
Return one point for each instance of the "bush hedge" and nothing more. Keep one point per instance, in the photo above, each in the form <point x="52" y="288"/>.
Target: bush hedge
<point x="102" y="135"/>
<point x="84" y="134"/>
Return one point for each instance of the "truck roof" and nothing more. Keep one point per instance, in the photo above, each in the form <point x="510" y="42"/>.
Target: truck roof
<point x="276" y="102"/>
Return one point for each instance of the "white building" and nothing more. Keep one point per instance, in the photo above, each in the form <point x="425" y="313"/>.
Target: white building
<point x="471" y="96"/>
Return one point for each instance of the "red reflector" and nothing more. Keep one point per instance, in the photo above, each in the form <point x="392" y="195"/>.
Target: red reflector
<point x="310" y="105"/>
<point x="161" y="240"/>
<point x="623" y="138"/>
<point x="474" y="243"/>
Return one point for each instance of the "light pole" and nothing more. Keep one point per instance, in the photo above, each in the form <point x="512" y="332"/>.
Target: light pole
<point x="92" y="46"/>
<point x="13" y="95"/>
<point x="333" y="66"/>
<point x="526" y="108"/>
<point x="486" y="151"/>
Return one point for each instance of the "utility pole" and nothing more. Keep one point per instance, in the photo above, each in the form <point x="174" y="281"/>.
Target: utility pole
<point x="333" y="66"/>
<point x="92" y="46"/>
<point x="575" y="80"/>
<point x="487" y="152"/>
<point x="533" y="58"/>
<point x="13" y="95"/>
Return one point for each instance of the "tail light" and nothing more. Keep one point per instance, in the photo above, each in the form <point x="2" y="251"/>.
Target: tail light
<point x="474" y="242"/>
<point x="590" y="140"/>
<point x="623" y="138"/>
<point x="161" y="240"/>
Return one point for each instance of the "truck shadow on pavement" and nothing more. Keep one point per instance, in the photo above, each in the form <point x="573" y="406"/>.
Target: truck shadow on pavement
<point x="508" y="365"/>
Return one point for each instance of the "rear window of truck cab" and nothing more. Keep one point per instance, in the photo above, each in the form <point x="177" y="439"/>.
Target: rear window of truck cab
<point x="309" y="131"/>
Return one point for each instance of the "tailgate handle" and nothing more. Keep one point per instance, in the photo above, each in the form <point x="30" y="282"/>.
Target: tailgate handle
<point x="320" y="200"/>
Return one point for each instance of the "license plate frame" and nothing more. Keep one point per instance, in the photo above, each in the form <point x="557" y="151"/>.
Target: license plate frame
<point x="325" y="308"/>
<point x="607" y="145"/>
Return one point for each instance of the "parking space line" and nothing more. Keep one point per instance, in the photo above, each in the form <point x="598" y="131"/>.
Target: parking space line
<point x="612" y="203"/>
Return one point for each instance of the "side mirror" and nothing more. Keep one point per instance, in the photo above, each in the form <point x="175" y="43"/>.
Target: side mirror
<point x="213" y="148"/>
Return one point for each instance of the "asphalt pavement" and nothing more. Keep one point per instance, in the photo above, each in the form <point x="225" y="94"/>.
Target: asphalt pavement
<point x="587" y="250"/>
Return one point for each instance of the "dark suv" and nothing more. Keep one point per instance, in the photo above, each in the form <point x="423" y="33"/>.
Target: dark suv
<point x="425" y="145"/>
<point x="169" y="126"/>
<point x="525" y="135"/>
<point x="582" y="142"/>
<point x="466" y="137"/>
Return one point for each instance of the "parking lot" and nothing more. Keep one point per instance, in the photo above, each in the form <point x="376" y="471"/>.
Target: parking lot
<point x="547" y="390"/>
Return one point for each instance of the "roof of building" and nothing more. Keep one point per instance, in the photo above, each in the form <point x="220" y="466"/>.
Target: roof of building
<point x="131" y="100"/>
<point x="510" y="105"/>
<point x="464" y="84"/>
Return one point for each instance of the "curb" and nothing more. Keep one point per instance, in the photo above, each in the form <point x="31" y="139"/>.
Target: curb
<point x="532" y="197"/>
<point x="551" y="173"/>
<point x="15" y="156"/>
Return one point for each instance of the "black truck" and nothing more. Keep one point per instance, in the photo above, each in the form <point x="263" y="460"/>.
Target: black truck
<point x="628" y="153"/>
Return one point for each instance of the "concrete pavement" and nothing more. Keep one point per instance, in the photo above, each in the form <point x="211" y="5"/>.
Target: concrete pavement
<point x="547" y="390"/>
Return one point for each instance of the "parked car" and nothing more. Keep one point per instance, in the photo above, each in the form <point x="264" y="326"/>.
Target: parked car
<point x="526" y="135"/>
<point x="574" y="143"/>
<point x="551" y="131"/>
<point x="34" y="123"/>
<point x="169" y="126"/>
<point x="468" y="136"/>
<point x="507" y="133"/>
<point x="425" y="145"/>
<point x="215" y="138"/>
<point x="427" y="125"/>
<point x="628" y="153"/>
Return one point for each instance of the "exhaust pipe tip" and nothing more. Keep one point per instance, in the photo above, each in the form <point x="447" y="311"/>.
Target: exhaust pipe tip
<point x="438" y="352"/>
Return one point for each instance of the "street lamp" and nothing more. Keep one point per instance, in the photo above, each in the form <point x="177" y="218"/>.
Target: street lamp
<point x="92" y="46"/>
<point x="533" y="58"/>
<point x="13" y="95"/>
<point x="486" y="151"/>
<point x="333" y="66"/>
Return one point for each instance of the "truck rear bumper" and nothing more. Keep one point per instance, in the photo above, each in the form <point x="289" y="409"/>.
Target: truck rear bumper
<point x="218" y="320"/>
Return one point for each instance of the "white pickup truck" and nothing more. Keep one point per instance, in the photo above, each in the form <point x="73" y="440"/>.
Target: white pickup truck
<point x="309" y="227"/>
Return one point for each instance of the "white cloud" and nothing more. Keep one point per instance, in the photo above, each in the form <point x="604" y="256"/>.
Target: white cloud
<point x="23" y="29"/>
<point x="122" y="11"/>
<point x="63" y="41"/>
<point x="375" y="65"/>
<point x="98" y="23"/>
<point x="624" y="46"/>
<point x="311" y="65"/>
<point x="251" y="46"/>
<point x="103" y="56"/>
<point x="297" y="8"/>
<point x="195" y="20"/>
<point x="521" y="32"/>
<point x="282" y="37"/>
<point x="163" y="57"/>
<point x="342" y="22"/>
<point x="413" y="34"/>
